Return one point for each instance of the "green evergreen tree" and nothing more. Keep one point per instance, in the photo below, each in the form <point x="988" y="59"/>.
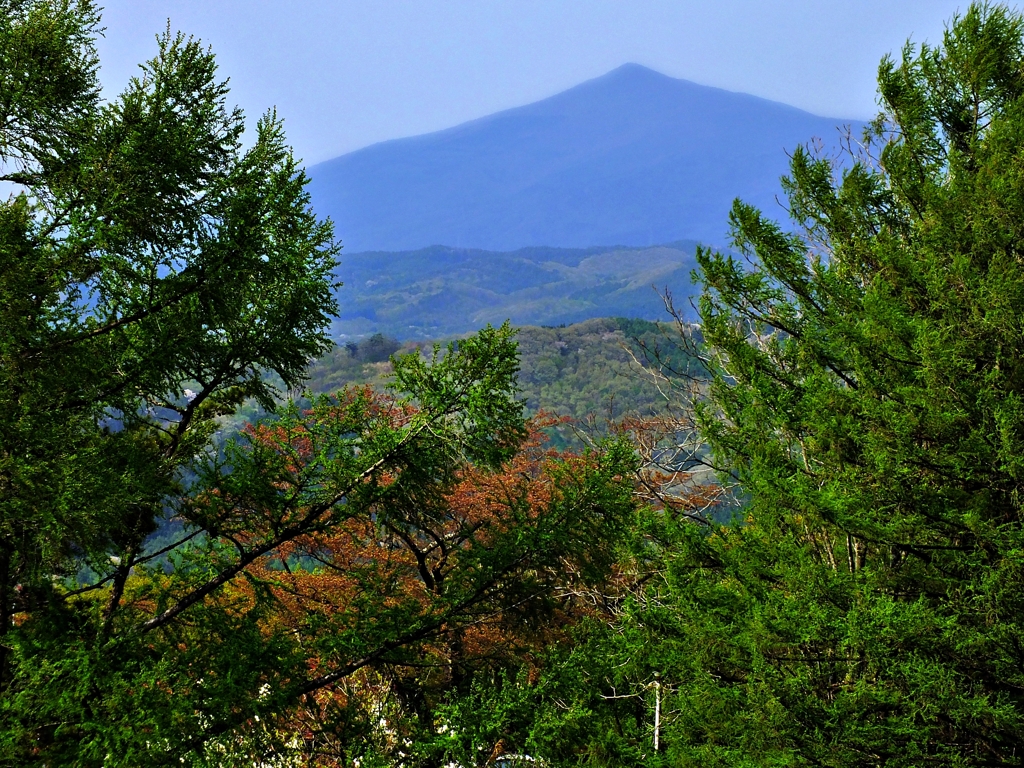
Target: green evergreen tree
<point x="868" y="396"/>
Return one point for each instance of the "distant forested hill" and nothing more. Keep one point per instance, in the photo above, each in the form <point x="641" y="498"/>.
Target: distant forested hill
<point x="440" y="291"/>
<point x="633" y="157"/>
<point x="584" y="371"/>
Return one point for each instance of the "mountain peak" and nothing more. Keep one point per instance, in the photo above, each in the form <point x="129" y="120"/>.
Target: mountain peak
<point x="632" y="69"/>
<point x="632" y="75"/>
<point x="633" y="157"/>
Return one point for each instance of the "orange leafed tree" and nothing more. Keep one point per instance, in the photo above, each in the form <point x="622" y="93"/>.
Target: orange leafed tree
<point x="482" y="571"/>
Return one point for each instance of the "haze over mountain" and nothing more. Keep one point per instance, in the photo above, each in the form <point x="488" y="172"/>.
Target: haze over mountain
<point x="633" y="158"/>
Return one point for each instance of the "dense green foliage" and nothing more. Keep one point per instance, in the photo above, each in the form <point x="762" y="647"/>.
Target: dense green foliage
<point x="868" y="397"/>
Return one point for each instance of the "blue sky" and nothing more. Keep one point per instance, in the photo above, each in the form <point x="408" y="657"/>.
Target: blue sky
<point x="345" y="74"/>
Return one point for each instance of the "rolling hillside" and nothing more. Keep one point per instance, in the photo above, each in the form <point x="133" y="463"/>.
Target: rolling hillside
<point x="441" y="291"/>
<point x="586" y="371"/>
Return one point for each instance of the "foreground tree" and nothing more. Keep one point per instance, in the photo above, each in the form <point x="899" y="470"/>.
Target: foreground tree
<point x="867" y="395"/>
<point x="151" y="272"/>
<point x="154" y="274"/>
<point x="486" y="574"/>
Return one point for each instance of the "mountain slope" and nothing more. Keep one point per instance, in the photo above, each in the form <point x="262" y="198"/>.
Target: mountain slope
<point x="633" y="157"/>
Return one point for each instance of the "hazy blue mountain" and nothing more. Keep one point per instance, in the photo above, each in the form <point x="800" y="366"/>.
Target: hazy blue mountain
<point x="442" y="291"/>
<point x="633" y="157"/>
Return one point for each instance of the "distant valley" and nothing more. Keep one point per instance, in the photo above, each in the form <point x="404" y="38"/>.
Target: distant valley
<point x="443" y="291"/>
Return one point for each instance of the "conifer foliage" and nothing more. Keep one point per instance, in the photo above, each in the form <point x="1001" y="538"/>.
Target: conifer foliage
<point x="868" y="395"/>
